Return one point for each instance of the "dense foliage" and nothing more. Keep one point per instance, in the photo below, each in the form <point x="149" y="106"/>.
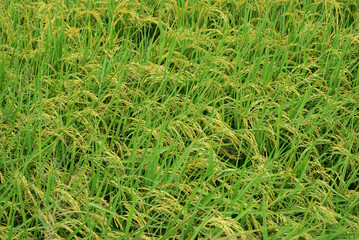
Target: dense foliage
<point x="174" y="119"/>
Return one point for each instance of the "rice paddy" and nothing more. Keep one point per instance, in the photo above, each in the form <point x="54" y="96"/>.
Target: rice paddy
<point x="179" y="119"/>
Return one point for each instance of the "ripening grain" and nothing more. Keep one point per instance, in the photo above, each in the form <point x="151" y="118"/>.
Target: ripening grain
<point x="179" y="119"/>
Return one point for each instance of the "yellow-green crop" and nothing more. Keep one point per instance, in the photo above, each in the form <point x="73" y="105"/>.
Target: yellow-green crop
<point x="179" y="119"/>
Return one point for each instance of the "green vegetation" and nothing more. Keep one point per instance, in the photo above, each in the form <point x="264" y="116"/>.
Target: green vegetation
<point x="179" y="119"/>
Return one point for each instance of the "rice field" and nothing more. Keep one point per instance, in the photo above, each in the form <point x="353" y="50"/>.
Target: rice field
<point x="179" y="119"/>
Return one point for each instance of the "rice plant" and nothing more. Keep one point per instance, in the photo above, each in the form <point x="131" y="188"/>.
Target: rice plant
<point x="179" y="119"/>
